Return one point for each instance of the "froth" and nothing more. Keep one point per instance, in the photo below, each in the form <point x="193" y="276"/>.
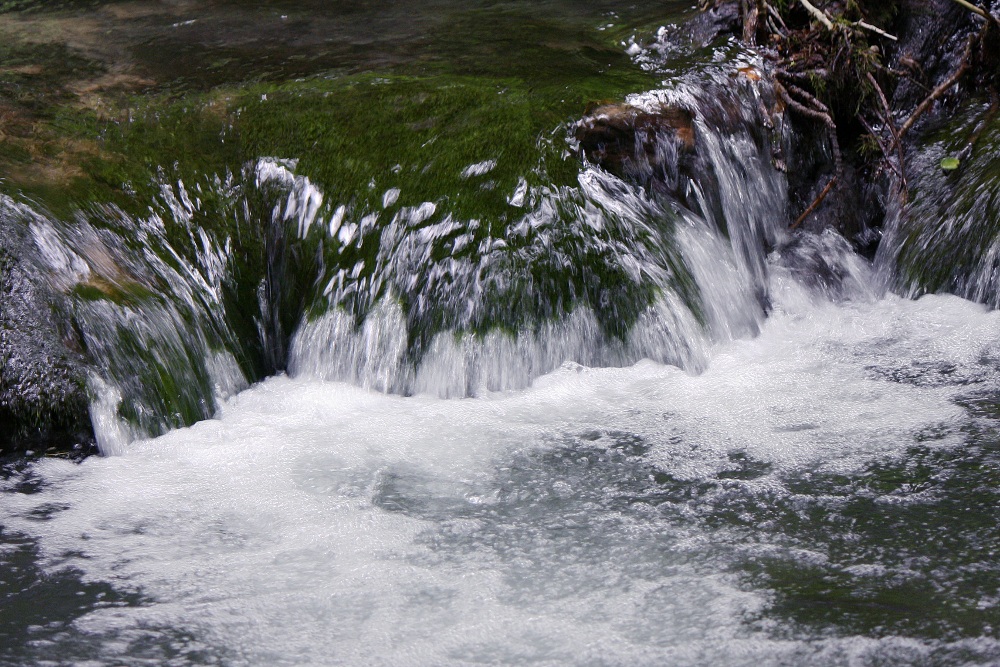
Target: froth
<point x="316" y="522"/>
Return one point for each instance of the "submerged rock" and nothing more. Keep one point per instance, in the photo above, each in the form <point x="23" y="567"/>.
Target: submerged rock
<point x="43" y="395"/>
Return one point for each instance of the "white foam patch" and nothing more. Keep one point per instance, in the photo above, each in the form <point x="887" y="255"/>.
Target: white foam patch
<point x="319" y="523"/>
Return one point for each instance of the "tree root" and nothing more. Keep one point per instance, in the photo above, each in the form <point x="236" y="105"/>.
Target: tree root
<point x="816" y="111"/>
<point x="828" y="60"/>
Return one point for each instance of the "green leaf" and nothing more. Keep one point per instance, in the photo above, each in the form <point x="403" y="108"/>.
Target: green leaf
<point x="949" y="163"/>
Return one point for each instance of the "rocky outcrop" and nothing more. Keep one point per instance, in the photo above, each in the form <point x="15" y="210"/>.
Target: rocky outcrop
<point x="43" y="397"/>
<point x="845" y="165"/>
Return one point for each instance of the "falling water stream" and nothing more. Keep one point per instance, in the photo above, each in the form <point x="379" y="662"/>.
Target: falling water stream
<point x="494" y="404"/>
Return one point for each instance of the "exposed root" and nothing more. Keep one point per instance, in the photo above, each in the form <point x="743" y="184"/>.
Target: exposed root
<point x="829" y="65"/>
<point x="816" y="111"/>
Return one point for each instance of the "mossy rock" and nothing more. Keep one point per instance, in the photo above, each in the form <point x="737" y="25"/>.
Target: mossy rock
<point x="948" y="238"/>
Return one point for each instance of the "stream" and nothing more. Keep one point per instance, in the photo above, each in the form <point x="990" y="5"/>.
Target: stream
<point x="383" y="372"/>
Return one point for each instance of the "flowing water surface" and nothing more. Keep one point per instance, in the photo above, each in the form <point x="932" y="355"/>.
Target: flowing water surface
<point x="386" y="373"/>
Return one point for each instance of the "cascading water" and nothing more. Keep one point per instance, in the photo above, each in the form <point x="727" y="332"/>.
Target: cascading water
<point x="533" y="402"/>
<point x="415" y="299"/>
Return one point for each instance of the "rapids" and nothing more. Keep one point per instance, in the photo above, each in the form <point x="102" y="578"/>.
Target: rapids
<point x="385" y="372"/>
<point x="637" y="515"/>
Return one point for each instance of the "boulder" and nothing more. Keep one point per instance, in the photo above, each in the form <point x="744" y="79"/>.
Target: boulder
<point x="43" y="392"/>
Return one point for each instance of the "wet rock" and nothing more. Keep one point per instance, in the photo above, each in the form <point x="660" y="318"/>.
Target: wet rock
<point x="721" y="19"/>
<point x="635" y="143"/>
<point x="43" y="397"/>
<point x="932" y="39"/>
<point x="824" y="264"/>
<point x="854" y="206"/>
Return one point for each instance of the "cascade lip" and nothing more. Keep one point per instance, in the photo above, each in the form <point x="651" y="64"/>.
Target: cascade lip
<point x="611" y="135"/>
<point x="87" y="72"/>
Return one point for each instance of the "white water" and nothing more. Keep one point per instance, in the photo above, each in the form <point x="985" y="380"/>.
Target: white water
<point x="317" y="523"/>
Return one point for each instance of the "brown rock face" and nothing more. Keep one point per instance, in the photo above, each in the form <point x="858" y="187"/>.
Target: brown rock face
<point x="625" y="139"/>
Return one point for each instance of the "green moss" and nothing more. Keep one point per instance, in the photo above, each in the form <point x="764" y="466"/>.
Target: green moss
<point x="415" y="134"/>
<point x="120" y="293"/>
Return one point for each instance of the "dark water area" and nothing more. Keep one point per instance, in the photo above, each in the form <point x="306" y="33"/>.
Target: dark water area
<point x="188" y="46"/>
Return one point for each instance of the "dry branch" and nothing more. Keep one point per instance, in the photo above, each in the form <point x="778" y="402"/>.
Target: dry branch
<point x="819" y="14"/>
<point x="975" y="10"/>
<point x="940" y="90"/>
<point x="876" y="30"/>
<point x="904" y="188"/>
<point x="816" y="202"/>
<point x="822" y="116"/>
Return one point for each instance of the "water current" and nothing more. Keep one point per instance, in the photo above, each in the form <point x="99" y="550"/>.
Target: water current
<point x="494" y="407"/>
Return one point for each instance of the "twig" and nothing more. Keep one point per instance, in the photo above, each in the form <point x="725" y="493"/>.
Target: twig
<point x="775" y="28"/>
<point x="816" y="202"/>
<point x="820" y="15"/>
<point x="777" y="16"/>
<point x="940" y="90"/>
<point x="881" y="144"/>
<point x="904" y="188"/>
<point x="902" y="74"/>
<point x="804" y="77"/>
<point x="976" y="10"/>
<point x="876" y="30"/>
<point x="808" y="97"/>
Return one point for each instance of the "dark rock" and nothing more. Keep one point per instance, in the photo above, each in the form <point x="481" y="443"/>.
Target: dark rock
<point x="932" y="37"/>
<point x="824" y="263"/>
<point x="854" y="206"/>
<point x="43" y="396"/>
<point x="709" y="25"/>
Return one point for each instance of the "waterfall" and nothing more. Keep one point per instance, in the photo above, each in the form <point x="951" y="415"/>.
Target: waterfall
<point x="947" y="238"/>
<point x="237" y="276"/>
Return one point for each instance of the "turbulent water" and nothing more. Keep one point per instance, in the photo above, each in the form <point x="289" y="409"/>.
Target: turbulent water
<point x="778" y="507"/>
<point x="627" y="420"/>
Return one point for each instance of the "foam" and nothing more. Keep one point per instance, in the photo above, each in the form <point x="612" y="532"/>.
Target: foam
<point x="320" y="523"/>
